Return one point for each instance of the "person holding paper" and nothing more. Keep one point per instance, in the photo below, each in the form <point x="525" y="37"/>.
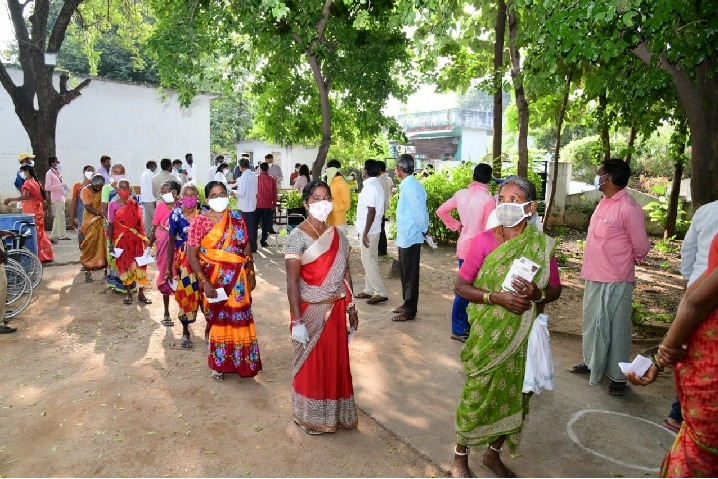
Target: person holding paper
<point x="221" y="257"/>
<point x="160" y="234"/>
<point x="492" y="406"/>
<point x="127" y="233"/>
<point x="109" y="193"/>
<point x="691" y="348"/>
<point x="319" y="289"/>
<point x="93" y="249"/>
<point x="178" y="269"/>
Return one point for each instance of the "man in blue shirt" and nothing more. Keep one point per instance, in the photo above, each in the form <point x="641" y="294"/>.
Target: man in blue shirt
<point x="412" y="223"/>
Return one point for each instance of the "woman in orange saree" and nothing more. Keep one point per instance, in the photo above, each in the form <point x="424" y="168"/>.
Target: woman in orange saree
<point x="220" y="255"/>
<point x="33" y="197"/>
<point x="93" y="249"/>
<point x="691" y="346"/>
<point x="319" y="292"/>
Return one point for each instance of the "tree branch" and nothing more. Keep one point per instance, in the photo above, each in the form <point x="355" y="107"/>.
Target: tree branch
<point x="68" y="96"/>
<point x="322" y="24"/>
<point x="680" y="78"/>
<point x="60" y="28"/>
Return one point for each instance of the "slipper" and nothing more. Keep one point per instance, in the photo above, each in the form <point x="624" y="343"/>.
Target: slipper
<point x="7" y="329"/>
<point x="377" y="299"/>
<point x="671" y="427"/>
<point x="362" y="295"/>
<point x="167" y="321"/>
<point x="617" y="389"/>
<point x="311" y="432"/>
<point x="217" y="376"/>
<point x="398" y="309"/>
<point x="460" y="337"/>
<point x="402" y="317"/>
<point x="186" y="342"/>
<point x="580" y="368"/>
<point x="127" y="300"/>
<point x="144" y="300"/>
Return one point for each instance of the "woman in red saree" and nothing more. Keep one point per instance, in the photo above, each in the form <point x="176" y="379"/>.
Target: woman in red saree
<point x="127" y="233"/>
<point x="691" y="346"/>
<point x="319" y="291"/>
<point x="33" y="197"/>
<point x="219" y="254"/>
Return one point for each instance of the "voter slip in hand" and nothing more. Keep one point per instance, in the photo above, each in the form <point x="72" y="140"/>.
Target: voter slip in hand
<point x="522" y="267"/>
<point x="221" y="296"/>
<point x="144" y="260"/>
<point x="639" y="366"/>
<point x="116" y="253"/>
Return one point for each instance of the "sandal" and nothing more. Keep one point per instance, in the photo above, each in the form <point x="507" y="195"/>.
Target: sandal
<point x="580" y="368"/>
<point x="144" y="300"/>
<point x="617" y="389"/>
<point x="167" y="321"/>
<point x="460" y="337"/>
<point x="671" y="427"/>
<point x="7" y="329"/>
<point x="362" y="295"/>
<point x="217" y="376"/>
<point x="311" y="432"/>
<point x="127" y="300"/>
<point x="401" y="317"/>
<point x="186" y="342"/>
<point x="377" y="299"/>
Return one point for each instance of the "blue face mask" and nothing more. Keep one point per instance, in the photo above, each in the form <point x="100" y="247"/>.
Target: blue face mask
<point x="597" y="181"/>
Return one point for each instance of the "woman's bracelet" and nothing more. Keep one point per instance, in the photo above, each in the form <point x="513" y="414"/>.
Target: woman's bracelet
<point x="487" y="297"/>
<point x="201" y="277"/>
<point x="655" y="362"/>
<point x="541" y="299"/>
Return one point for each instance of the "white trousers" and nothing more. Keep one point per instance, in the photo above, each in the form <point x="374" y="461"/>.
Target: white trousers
<point x="59" y="230"/>
<point x="374" y="285"/>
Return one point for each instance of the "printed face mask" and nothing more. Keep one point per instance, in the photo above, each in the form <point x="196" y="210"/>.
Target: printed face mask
<point x="321" y="209"/>
<point x="168" y="198"/>
<point x="511" y="214"/>
<point x="189" y="202"/>
<point x="218" y="204"/>
<point x="89" y="175"/>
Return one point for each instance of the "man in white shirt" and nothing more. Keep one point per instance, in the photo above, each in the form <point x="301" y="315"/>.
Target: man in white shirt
<point x="387" y="185"/>
<point x="190" y="169"/>
<point x="178" y="171"/>
<point x="694" y="251"/>
<point x="247" y="200"/>
<point x="370" y="211"/>
<point x="274" y="170"/>
<point x="146" y="195"/>
<point x="213" y="169"/>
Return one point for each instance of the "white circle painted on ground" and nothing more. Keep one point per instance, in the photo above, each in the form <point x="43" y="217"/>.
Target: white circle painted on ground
<point x="574" y="437"/>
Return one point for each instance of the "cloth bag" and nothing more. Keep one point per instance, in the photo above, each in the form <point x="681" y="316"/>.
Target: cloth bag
<point x="539" y="361"/>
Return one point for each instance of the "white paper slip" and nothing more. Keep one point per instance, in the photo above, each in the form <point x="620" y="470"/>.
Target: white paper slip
<point x="639" y="366"/>
<point x="350" y="336"/>
<point x="173" y="285"/>
<point x="144" y="260"/>
<point x="221" y="296"/>
<point x="522" y="267"/>
<point x="117" y="253"/>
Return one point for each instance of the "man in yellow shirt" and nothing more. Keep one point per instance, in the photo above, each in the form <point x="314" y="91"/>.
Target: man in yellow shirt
<point x="341" y="200"/>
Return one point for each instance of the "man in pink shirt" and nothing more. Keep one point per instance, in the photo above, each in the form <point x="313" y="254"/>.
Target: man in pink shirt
<point x="474" y="205"/>
<point x="616" y="241"/>
<point x="58" y="189"/>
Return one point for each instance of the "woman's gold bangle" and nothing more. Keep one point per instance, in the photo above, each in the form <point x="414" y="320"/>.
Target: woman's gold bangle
<point x="487" y="297"/>
<point x="201" y="277"/>
<point x="542" y="298"/>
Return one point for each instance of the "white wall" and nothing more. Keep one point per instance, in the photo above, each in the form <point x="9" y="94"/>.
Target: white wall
<point x="284" y="156"/>
<point x="130" y="122"/>
<point x="474" y="144"/>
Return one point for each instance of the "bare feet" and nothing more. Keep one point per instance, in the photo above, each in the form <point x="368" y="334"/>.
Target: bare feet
<point x="492" y="460"/>
<point x="461" y="467"/>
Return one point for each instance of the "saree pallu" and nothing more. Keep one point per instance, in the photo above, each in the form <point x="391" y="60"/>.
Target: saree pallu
<point x="494" y="356"/>
<point x="233" y="346"/>
<point x="93" y="253"/>
<point x="33" y="206"/>
<point x="322" y="390"/>
<point x="695" y="450"/>
<point x="128" y="235"/>
<point x="162" y="237"/>
<point x="187" y="292"/>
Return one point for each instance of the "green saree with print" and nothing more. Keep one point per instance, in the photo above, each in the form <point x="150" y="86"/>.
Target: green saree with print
<point x="494" y="356"/>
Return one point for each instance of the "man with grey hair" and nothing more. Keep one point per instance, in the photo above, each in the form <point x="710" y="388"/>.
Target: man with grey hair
<point x="412" y="224"/>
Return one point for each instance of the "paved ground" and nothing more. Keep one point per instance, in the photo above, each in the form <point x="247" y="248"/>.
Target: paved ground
<point x="408" y="379"/>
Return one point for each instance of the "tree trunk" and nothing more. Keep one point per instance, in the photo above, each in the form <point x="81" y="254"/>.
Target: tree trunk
<point x="672" y="216"/>
<point x="698" y="93"/>
<point x="631" y="142"/>
<point x="557" y="149"/>
<point x="521" y="103"/>
<point x="497" y="84"/>
<point x="605" y="134"/>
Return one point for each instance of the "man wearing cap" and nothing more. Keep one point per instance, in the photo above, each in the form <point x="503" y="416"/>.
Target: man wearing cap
<point x="24" y="159"/>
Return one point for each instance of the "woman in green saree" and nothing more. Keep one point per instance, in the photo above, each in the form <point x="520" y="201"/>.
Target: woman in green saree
<point x="492" y="406"/>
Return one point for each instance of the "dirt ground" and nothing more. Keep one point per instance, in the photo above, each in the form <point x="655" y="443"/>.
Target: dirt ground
<point x="92" y="387"/>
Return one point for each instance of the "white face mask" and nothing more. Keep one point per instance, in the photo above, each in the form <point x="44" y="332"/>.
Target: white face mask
<point x="58" y="166"/>
<point x="31" y="163"/>
<point x="23" y="175"/>
<point x="168" y="198"/>
<point x="511" y="214"/>
<point x="321" y="209"/>
<point x="117" y="178"/>
<point x="218" y="204"/>
<point x="89" y="175"/>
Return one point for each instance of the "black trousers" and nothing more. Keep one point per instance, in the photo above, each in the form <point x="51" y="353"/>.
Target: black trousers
<point x="409" y="259"/>
<point x="250" y="220"/>
<point x="263" y="216"/>
<point x="382" y="238"/>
